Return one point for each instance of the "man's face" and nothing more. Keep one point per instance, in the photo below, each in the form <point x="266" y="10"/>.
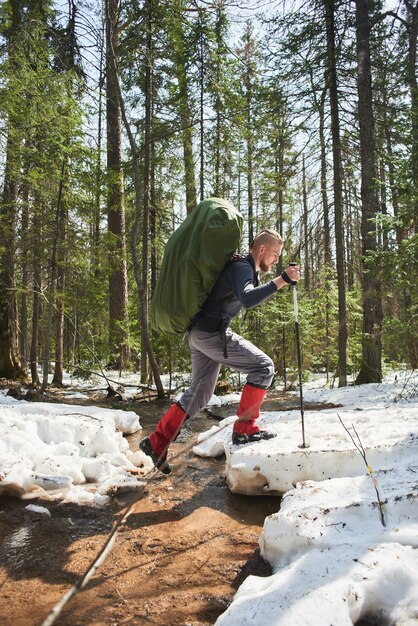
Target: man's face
<point x="270" y="256"/>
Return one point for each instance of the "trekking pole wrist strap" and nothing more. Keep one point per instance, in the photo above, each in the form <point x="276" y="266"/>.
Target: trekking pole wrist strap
<point x="287" y="279"/>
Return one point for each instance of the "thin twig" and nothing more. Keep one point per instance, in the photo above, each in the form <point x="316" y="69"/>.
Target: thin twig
<point x="359" y="446"/>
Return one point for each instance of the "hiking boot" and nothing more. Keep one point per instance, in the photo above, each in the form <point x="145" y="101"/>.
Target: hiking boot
<point x="238" y="439"/>
<point x="160" y="462"/>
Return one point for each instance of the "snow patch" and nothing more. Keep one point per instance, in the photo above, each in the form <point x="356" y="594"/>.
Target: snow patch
<point x="58" y="451"/>
<point x="337" y="556"/>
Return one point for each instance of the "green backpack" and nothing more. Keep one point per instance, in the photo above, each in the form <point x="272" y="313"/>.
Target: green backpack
<point x="195" y="255"/>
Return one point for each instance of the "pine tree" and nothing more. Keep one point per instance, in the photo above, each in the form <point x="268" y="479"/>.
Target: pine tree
<point x="118" y="287"/>
<point x="9" y="359"/>
<point x="371" y="366"/>
<point x="329" y="6"/>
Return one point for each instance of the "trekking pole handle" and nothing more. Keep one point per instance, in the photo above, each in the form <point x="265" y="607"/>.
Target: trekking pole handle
<point x="293" y="264"/>
<point x="286" y="276"/>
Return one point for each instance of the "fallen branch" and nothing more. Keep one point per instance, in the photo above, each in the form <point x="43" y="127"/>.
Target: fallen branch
<point x="118" y="382"/>
<point x="82" y="582"/>
<point x="108" y="545"/>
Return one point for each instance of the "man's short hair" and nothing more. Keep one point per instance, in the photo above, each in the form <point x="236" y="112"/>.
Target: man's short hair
<point x="266" y="237"/>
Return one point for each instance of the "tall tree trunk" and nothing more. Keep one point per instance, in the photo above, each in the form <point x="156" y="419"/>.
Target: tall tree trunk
<point x="62" y="217"/>
<point x="337" y="187"/>
<point x="147" y="184"/>
<point x="250" y="155"/>
<point x="371" y="365"/>
<point x="135" y="232"/>
<point x="187" y="134"/>
<point x="57" y="379"/>
<point x="24" y="242"/>
<point x="349" y="237"/>
<point x="412" y="13"/>
<point x="383" y="203"/>
<point x="412" y="18"/>
<point x="279" y="194"/>
<point x="153" y="217"/>
<point x="306" y="263"/>
<point x="59" y="323"/>
<point x="280" y="182"/>
<point x="185" y="114"/>
<point x="37" y="290"/>
<point x="9" y="359"/>
<point x="324" y="192"/>
<point x="52" y="279"/>
<point x="202" y="66"/>
<point x="320" y="106"/>
<point x="218" y="102"/>
<point x="96" y="217"/>
<point x="118" y="279"/>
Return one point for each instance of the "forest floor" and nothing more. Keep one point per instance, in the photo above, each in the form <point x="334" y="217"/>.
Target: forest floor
<point x="178" y="560"/>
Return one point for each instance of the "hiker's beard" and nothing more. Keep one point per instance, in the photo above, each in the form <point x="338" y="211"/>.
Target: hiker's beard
<point x="264" y="267"/>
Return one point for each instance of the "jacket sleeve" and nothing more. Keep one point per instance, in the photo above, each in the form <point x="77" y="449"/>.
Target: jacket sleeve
<point x="241" y="278"/>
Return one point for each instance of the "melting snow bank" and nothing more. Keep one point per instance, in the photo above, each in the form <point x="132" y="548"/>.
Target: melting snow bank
<point x="338" y="586"/>
<point x="334" y="561"/>
<point x="386" y="423"/>
<point x="279" y="464"/>
<point x="76" y="453"/>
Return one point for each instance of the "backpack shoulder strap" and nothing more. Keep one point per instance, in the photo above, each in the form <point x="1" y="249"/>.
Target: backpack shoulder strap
<point x="236" y="257"/>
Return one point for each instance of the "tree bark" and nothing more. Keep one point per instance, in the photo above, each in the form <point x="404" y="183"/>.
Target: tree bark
<point x="147" y="185"/>
<point x="218" y="102"/>
<point x="118" y="278"/>
<point x="23" y="305"/>
<point x="52" y="279"/>
<point x="248" y="83"/>
<point x="185" y="114"/>
<point x="201" y="109"/>
<point x="57" y="379"/>
<point x="154" y="202"/>
<point x="349" y="228"/>
<point x="59" y="317"/>
<point x="306" y="260"/>
<point x="9" y="359"/>
<point x="96" y="217"/>
<point x="371" y="366"/>
<point x="411" y="72"/>
<point x="136" y="231"/>
<point x="337" y="187"/>
<point x="324" y="192"/>
<point x="412" y="13"/>
<point x="280" y="183"/>
<point x="37" y="288"/>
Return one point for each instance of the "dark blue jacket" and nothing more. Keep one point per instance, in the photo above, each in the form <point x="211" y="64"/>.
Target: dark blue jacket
<point x="236" y="287"/>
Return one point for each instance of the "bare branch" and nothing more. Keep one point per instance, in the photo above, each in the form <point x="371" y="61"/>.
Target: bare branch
<point x="359" y="446"/>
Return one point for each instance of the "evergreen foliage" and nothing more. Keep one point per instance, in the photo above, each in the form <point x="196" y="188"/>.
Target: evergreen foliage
<point x="216" y="106"/>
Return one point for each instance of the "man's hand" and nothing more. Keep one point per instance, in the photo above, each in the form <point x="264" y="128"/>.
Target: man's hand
<point x="293" y="271"/>
<point x="289" y="276"/>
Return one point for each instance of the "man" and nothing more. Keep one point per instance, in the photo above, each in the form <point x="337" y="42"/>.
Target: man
<point x="213" y="343"/>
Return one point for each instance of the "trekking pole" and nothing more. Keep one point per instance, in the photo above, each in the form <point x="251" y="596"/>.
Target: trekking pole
<point x="295" y="306"/>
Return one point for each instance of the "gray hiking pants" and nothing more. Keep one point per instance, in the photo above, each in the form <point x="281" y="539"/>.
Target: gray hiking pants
<point x="207" y="351"/>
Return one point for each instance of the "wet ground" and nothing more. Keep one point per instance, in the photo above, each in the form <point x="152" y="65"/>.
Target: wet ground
<point x="178" y="560"/>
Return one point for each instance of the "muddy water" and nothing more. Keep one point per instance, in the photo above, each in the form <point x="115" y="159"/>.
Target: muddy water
<point x="178" y="560"/>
